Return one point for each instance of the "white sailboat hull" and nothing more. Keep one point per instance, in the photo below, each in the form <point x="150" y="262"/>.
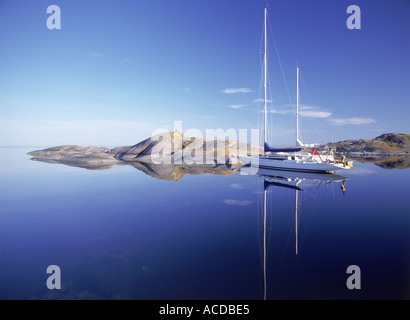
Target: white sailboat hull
<point x="291" y="165"/>
<point x="293" y="175"/>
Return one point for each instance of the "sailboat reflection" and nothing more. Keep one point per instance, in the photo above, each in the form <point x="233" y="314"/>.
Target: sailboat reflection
<point x="297" y="181"/>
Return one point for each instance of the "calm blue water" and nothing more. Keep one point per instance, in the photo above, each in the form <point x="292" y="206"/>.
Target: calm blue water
<point x="122" y="234"/>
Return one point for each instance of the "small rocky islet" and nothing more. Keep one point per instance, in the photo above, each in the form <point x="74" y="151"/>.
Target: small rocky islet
<point x="166" y="156"/>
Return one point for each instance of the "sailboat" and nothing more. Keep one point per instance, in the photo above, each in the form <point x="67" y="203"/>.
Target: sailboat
<point x="292" y="159"/>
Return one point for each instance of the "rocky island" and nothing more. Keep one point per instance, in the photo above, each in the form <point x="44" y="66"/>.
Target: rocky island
<point x="385" y="145"/>
<point x="167" y="156"/>
<point x="389" y="150"/>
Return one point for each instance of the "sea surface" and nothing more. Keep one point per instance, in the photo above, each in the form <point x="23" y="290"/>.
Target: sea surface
<point x="120" y="233"/>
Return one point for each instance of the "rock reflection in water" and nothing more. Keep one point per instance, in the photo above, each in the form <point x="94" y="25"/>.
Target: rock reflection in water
<point x="160" y="171"/>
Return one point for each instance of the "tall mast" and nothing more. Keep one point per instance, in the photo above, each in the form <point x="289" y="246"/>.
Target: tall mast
<point x="298" y="142"/>
<point x="265" y="85"/>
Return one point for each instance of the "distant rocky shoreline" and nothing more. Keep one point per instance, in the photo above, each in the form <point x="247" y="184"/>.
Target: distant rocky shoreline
<point x="385" y="145"/>
<point x="390" y="150"/>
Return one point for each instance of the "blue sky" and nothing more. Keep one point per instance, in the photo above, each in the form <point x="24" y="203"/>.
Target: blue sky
<point x="118" y="70"/>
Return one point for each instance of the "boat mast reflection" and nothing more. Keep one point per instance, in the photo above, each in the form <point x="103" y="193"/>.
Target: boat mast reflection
<point x="295" y="181"/>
